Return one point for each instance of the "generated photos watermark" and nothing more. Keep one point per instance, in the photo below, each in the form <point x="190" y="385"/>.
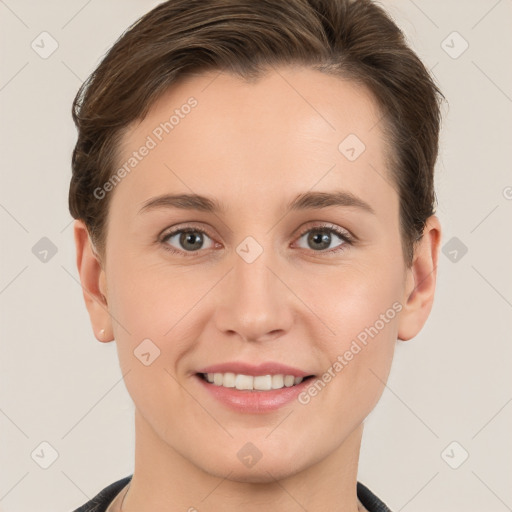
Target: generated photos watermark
<point x="157" y="135"/>
<point x="343" y="360"/>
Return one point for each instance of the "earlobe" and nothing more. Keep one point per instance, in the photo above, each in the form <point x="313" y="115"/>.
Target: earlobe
<point x="93" y="281"/>
<point x="420" y="284"/>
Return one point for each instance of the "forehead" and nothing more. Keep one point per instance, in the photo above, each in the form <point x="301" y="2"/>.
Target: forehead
<point x="293" y="130"/>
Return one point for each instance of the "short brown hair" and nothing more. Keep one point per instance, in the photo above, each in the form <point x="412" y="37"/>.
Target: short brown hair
<point x="356" y="40"/>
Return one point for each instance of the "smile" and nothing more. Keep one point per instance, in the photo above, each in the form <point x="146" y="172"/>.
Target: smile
<point x="251" y="383"/>
<point x="252" y="394"/>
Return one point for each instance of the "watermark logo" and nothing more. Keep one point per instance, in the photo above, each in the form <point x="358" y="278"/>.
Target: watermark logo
<point x="44" y="455"/>
<point x="44" y="250"/>
<point x="454" y="455"/>
<point x="249" y="455"/>
<point x="44" y="45"/>
<point x="146" y="352"/>
<point x="454" y="249"/>
<point x="454" y="45"/>
<point x="351" y="147"/>
<point x="249" y="249"/>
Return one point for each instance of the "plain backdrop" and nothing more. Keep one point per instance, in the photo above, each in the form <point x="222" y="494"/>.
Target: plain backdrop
<point x="439" y="439"/>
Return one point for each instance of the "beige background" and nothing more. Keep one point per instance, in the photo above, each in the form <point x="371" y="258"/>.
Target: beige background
<point x="451" y="383"/>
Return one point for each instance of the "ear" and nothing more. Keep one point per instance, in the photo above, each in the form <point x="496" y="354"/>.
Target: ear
<point x="420" y="282"/>
<point x="92" y="278"/>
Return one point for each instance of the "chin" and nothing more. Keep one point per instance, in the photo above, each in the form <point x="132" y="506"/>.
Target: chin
<point x="265" y="470"/>
<point x="261" y="475"/>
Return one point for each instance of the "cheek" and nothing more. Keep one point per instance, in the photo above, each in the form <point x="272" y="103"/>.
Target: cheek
<point x="163" y="310"/>
<point x="154" y="299"/>
<point x="362" y="308"/>
<point x="360" y="301"/>
<point x="351" y="298"/>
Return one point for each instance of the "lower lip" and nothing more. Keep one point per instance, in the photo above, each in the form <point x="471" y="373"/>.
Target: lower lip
<point x="253" y="401"/>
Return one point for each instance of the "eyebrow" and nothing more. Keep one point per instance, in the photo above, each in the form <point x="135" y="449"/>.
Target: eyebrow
<point x="305" y="201"/>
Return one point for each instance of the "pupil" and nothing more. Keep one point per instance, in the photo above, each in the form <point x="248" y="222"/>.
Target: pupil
<point x="319" y="238"/>
<point x="190" y="237"/>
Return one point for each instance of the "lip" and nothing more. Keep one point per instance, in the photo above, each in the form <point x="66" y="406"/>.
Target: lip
<point x="252" y="402"/>
<point x="265" y="368"/>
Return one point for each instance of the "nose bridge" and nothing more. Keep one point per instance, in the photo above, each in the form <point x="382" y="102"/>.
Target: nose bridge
<point x="251" y="274"/>
<point x="256" y="304"/>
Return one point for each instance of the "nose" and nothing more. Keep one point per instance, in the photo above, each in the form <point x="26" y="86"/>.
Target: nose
<point x="255" y="303"/>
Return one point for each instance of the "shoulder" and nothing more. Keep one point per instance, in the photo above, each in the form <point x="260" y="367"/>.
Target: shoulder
<point x="369" y="500"/>
<point x="102" y="500"/>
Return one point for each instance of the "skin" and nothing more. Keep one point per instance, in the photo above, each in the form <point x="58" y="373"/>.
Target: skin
<point x="254" y="147"/>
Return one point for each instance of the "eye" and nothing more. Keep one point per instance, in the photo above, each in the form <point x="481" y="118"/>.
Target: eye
<point x="189" y="239"/>
<point x="319" y="238"/>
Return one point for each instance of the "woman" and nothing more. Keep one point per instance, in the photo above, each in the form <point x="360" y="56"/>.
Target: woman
<point x="219" y="143"/>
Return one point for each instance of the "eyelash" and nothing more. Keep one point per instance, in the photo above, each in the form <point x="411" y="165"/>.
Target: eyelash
<point x="347" y="239"/>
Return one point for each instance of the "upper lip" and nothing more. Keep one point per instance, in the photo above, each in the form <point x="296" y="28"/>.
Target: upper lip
<point x="266" y="368"/>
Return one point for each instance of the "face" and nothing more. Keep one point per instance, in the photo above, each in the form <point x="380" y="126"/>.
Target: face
<point x="255" y="286"/>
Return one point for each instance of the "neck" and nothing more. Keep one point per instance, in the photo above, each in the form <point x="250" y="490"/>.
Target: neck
<point x="164" y="480"/>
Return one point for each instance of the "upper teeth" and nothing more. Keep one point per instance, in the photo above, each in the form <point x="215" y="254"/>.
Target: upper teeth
<point x="260" y="382"/>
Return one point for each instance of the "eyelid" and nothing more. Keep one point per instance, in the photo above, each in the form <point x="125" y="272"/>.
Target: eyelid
<point x="329" y="226"/>
<point x="182" y="226"/>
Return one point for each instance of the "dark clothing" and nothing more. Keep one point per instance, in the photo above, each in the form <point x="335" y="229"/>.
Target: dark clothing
<point x="103" y="499"/>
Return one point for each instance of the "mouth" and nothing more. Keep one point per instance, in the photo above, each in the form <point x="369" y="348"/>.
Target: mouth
<point x="252" y="388"/>
<point x="255" y="383"/>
